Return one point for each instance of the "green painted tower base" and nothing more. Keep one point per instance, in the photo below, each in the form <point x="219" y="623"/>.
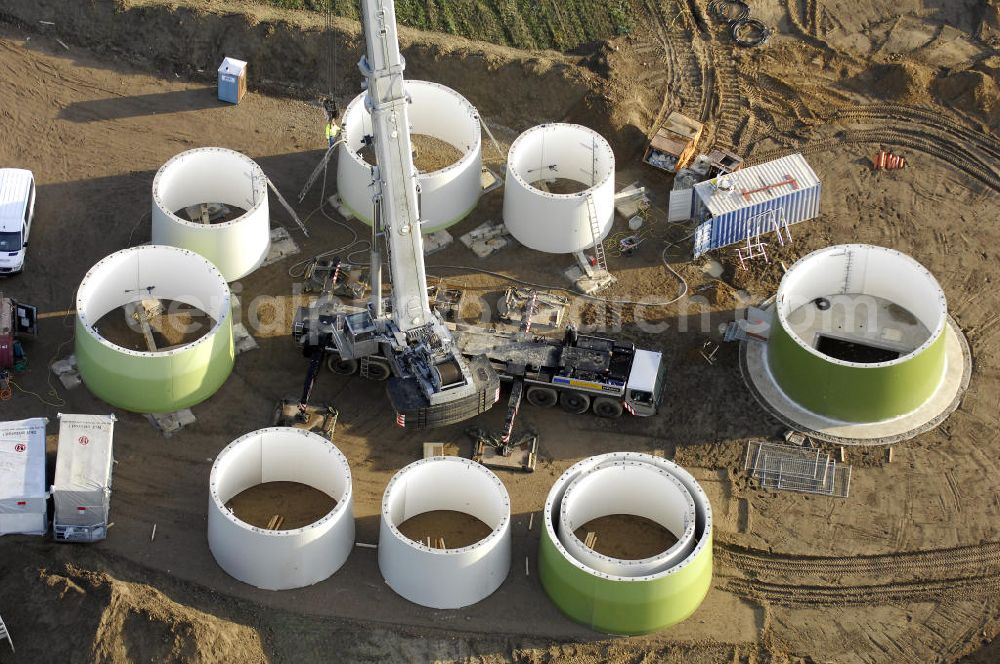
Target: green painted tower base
<point x="643" y="596"/>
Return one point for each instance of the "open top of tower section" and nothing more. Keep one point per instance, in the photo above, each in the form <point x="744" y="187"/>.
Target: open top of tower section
<point x="860" y="335"/>
<point x="213" y="201"/>
<point x="445" y="128"/>
<point x="560" y="188"/>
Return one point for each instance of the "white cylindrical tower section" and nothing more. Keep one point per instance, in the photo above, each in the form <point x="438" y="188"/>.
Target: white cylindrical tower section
<point x="633" y="487"/>
<point x="280" y="559"/>
<point x="552" y="222"/>
<point x="214" y="175"/>
<point x="166" y="380"/>
<point x="445" y="578"/>
<point x="448" y="194"/>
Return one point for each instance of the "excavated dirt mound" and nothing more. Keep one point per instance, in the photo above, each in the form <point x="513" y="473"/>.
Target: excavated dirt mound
<point x="905" y="82"/>
<point x="974" y="91"/>
<point x="80" y="615"/>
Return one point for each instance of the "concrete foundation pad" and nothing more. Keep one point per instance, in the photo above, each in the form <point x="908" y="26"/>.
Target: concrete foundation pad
<point x="757" y="376"/>
<point x="282" y="246"/>
<point x="486" y="238"/>
<point x="170" y="423"/>
<point x="338" y="204"/>
<point x="586" y="284"/>
<point x="434" y="242"/>
<point x="242" y="339"/>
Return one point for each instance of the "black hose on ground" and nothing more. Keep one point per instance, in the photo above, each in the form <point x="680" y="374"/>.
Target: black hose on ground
<point x="749" y="32"/>
<point x="729" y="10"/>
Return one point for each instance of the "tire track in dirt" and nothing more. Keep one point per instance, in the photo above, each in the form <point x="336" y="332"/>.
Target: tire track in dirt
<point x="880" y="579"/>
<point x="863" y="595"/>
<point x="975" y="559"/>
<point x="921" y="130"/>
<point x="673" y="77"/>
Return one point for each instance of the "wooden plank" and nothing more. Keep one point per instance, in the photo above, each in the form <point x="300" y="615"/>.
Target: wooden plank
<point x="132" y="311"/>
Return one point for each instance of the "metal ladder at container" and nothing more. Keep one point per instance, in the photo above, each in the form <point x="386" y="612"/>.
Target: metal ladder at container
<point x="595" y="232"/>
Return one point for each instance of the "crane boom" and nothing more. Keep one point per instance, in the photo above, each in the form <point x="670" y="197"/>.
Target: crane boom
<point x="395" y="189"/>
<point x="436" y="377"/>
<point x="430" y="382"/>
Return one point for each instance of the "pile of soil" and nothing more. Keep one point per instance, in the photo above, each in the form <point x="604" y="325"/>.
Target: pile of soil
<point x="973" y="91"/>
<point x="99" y="618"/>
<point x="177" y="324"/>
<point x="299" y="504"/>
<point x="429" y="153"/>
<point x="627" y="537"/>
<point x="457" y="529"/>
<point x="906" y="82"/>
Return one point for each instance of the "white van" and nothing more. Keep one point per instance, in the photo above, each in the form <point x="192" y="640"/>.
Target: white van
<point x="17" y="208"/>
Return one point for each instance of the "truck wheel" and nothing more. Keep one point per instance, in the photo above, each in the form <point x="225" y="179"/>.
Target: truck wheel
<point x="341" y="366"/>
<point x="574" y="402"/>
<point x="545" y="397"/>
<point x="378" y="370"/>
<point x="607" y="407"/>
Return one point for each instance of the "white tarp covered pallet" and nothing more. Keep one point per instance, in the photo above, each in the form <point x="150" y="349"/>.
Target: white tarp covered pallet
<point x="82" y="488"/>
<point x="22" y="477"/>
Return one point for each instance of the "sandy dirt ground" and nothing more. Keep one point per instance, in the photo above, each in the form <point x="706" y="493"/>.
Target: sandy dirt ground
<point x="905" y="570"/>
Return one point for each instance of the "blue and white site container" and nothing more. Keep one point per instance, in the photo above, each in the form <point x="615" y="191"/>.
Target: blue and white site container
<point x="754" y="200"/>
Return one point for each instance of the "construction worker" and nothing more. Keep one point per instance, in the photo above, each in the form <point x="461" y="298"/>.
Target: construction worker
<point x="332" y="131"/>
<point x="332" y="128"/>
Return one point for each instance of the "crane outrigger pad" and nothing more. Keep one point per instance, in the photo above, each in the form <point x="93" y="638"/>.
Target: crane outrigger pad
<point x="321" y="419"/>
<point x="521" y="455"/>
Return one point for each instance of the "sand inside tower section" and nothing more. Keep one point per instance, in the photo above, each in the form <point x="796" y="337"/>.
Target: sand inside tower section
<point x="210" y="213"/>
<point x="445" y="529"/>
<point x="557" y="185"/>
<point x="625" y="536"/>
<point x="154" y="325"/>
<point x="281" y="505"/>
<point x="429" y="153"/>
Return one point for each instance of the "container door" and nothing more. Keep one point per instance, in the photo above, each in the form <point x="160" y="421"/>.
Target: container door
<point x="703" y="238"/>
<point x="681" y="201"/>
<point x="25" y="319"/>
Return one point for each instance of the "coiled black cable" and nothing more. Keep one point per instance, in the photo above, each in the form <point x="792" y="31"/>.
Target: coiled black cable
<point x="722" y="10"/>
<point x="749" y="32"/>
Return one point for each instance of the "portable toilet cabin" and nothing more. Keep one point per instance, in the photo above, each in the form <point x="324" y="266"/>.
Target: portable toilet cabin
<point x="232" y="80"/>
<point x="22" y="477"/>
<point x="82" y="488"/>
